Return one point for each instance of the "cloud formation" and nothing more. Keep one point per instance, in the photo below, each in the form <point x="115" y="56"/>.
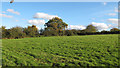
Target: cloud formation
<point x="37" y="22"/>
<point x="44" y="16"/>
<point x="113" y="21"/>
<point x="78" y="27"/>
<point x="112" y="14"/>
<point x="7" y="16"/>
<point x="101" y="26"/>
<point x="38" y="27"/>
<point x="12" y="11"/>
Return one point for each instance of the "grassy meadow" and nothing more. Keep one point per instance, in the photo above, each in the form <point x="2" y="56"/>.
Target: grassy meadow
<point x="89" y="50"/>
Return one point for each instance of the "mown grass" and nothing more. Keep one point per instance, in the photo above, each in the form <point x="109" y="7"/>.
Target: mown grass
<point x="91" y="50"/>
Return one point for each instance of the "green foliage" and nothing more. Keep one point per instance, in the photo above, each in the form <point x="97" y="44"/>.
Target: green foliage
<point x="56" y="25"/>
<point x="31" y="31"/>
<point x="41" y="31"/>
<point x="50" y="32"/>
<point x="4" y="32"/>
<point x="114" y="29"/>
<point x="17" y="32"/>
<point x="69" y="33"/>
<point x="75" y="32"/>
<point x="91" y="28"/>
<point x="91" y="50"/>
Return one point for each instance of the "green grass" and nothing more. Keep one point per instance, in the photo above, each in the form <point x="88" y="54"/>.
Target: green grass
<point x="91" y="50"/>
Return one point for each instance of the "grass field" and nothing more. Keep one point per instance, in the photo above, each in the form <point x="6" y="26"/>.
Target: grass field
<point x="91" y="50"/>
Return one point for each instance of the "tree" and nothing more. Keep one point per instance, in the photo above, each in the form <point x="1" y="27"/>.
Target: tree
<point x="31" y="31"/>
<point x="0" y="32"/>
<point x="91" y="28"/>
<point x="114" y="29"/>
<point x="75" y="32"/>
<point x="49" y="31"/>
<point x="56" y="24"/>
<point x="17" y="32"/>
<point x="5" y="32"/>
<point x="41" y="31"/>
<point x="69" y="33"/>
<point x="104" y="32"/>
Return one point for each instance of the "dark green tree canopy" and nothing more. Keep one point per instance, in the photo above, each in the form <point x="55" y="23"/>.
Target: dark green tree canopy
<point x="114" y="29"/>
<point x="16" y="32"/>
<point x="56" y="25"/>
<point x="91" y="28"/>
<point x="31" y="31"/>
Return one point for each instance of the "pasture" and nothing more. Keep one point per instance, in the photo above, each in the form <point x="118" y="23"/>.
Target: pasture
<point x="89" y="50"/>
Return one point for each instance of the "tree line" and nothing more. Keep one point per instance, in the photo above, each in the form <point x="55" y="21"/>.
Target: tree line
<point x="54" y="27"/>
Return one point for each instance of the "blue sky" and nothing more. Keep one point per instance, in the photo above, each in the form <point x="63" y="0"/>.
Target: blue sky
<point x="77" y="15"/>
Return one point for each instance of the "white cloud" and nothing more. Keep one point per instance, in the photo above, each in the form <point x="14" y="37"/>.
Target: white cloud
<point x="37" y="22"/>
<point x="104" y="3"/>
<point x="7" y="16"/>
<point x="78" y="27"/>
<point x="113" y="21"/>
<point x="37" y="27"/>
<point x="44" y="16"/>
<point x="12" y="11"/>
<point x="101" y="26"/>
<point x="112" y="14"/>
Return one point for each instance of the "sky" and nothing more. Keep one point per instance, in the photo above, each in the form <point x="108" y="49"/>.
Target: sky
<point x="63" y="0"/>
<point x="103" y="15"/>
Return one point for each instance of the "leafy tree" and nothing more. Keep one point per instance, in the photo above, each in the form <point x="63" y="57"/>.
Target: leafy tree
<point x="49" y="31"/>
<point x="69" y="33"/>
<point x="114" y="29"/>
<point x="56" y="24"/>
<point x="31" y="31"/>
<point x="75" y="32"/>
<point x="104" y="32"/>
<point x="5" y="32"/>
<point x="0" y="33"/>
<point x="91" y="28"/>
<point x="41" y="31"/>
<point x="17" y="32"/>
